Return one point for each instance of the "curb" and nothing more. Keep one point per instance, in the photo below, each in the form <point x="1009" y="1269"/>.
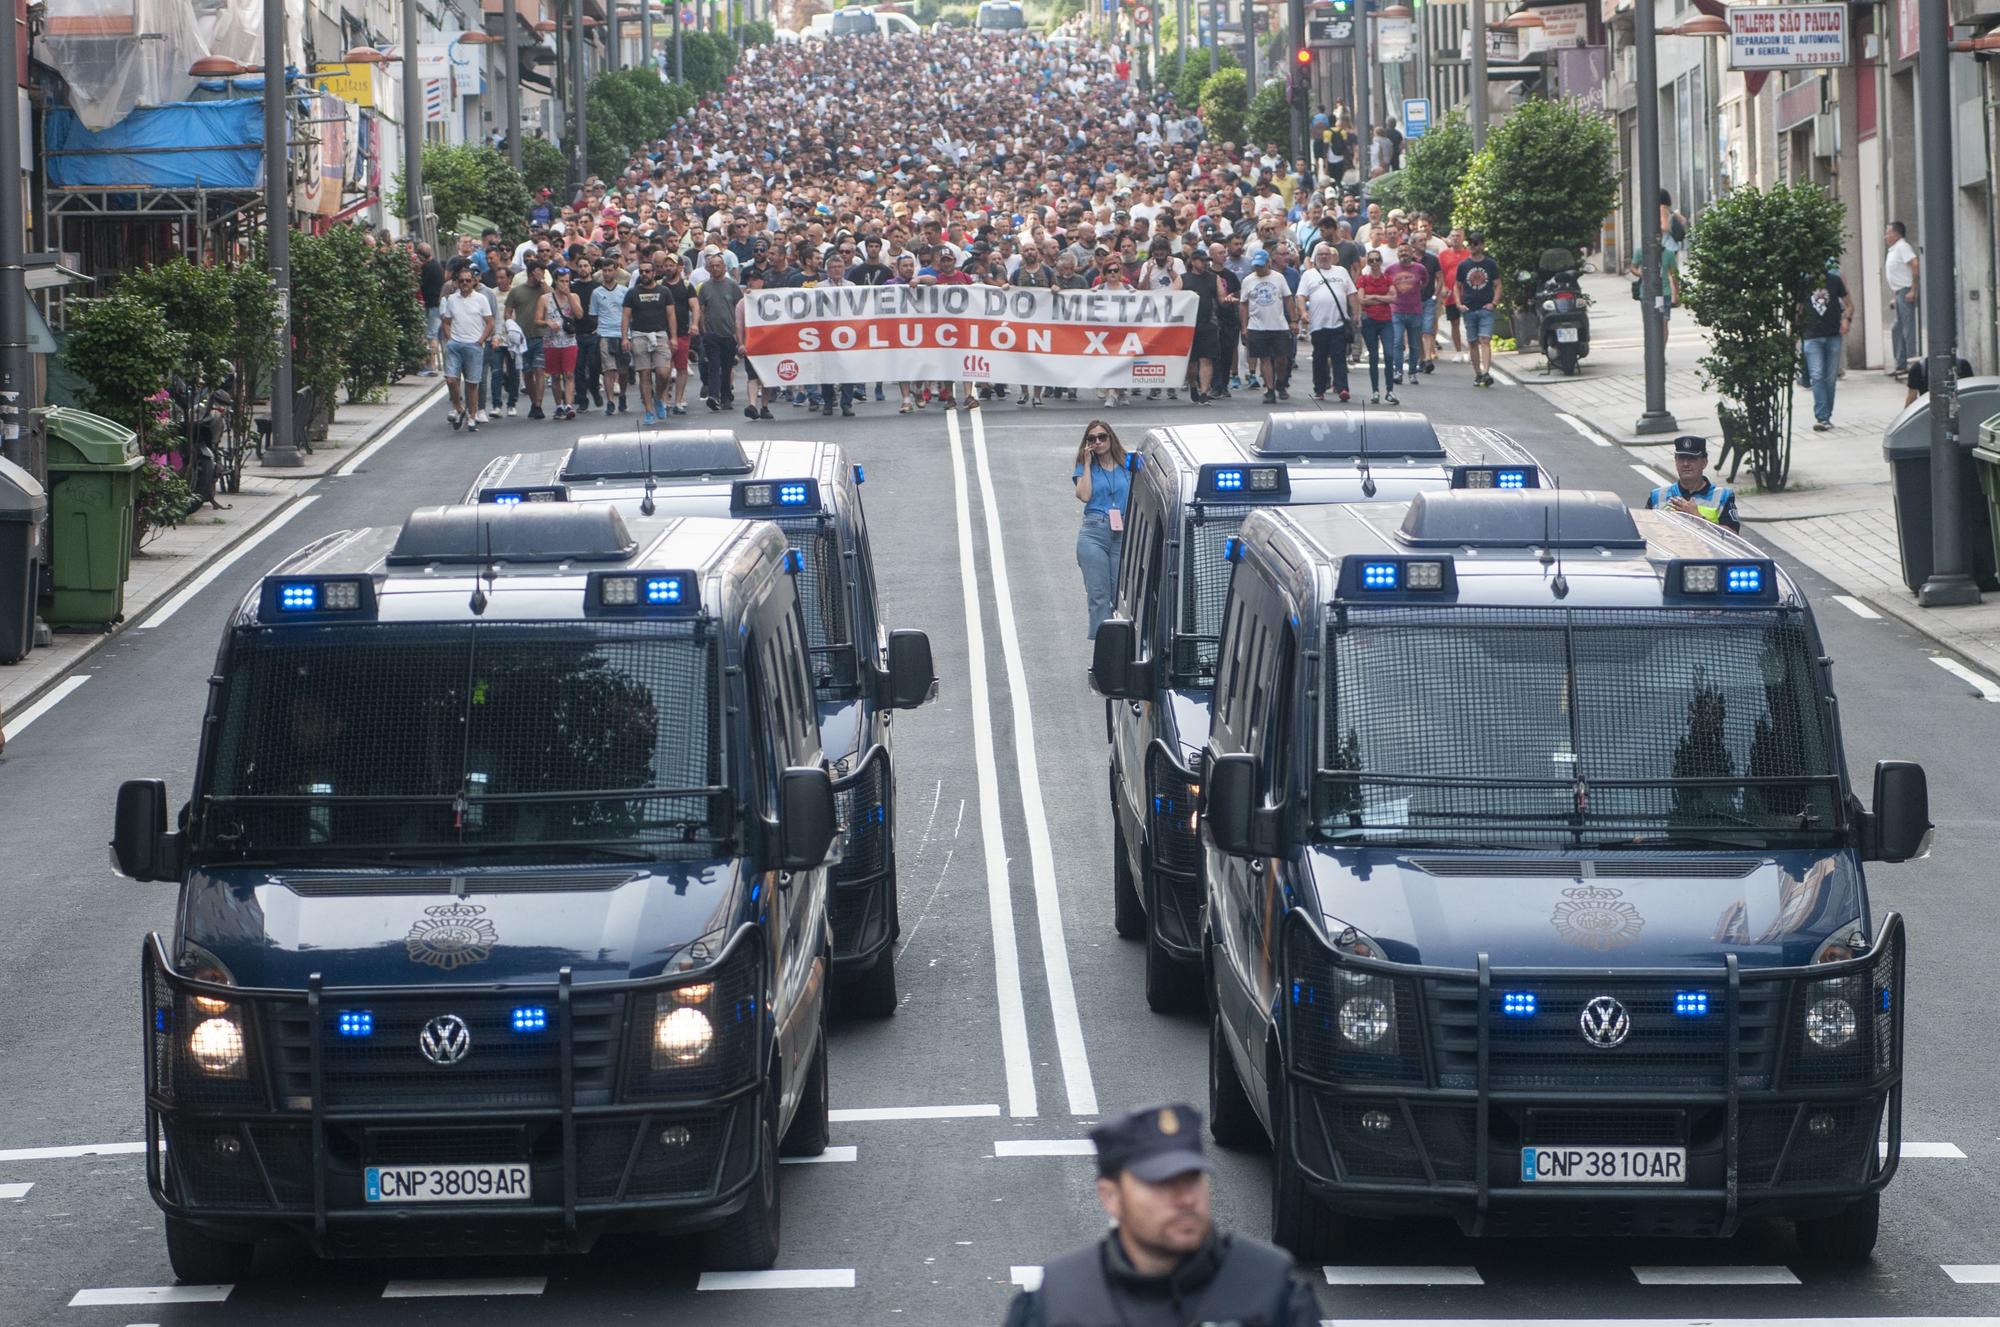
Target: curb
<point x="220" y="551"/>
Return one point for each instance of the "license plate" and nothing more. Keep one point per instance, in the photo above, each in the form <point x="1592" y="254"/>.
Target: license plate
<point x="447" y="1184"/>
<point x="1604" y="1165"/>
<point x="1566" y="334"/>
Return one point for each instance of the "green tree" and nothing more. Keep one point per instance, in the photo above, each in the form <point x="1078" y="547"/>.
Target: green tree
<point x="1753" y="257"/>
<point x="755" y="32"/>
<point x="1270" y="115"/>
<point x="1390" y="189"/>
<point x="542" y="165"/>
<point x="324" y="314"/>
<point x="702" y="67"/>
<point x="125" y="350"/>
<point x="1187" y="86"/>
<point x="1545" y="180"/>
<point x="1224" y="101"/>
<point x="475" y="180"/>
<point x="1432" y="167"/>
<point x="194" y="299"/>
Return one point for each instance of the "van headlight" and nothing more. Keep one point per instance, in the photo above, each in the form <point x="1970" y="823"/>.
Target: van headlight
<point x="682" y="1033"/>
<point x="1830" y="1023"/>
<point x="216" y="1044"/>
<point x="1364" y="1020"/>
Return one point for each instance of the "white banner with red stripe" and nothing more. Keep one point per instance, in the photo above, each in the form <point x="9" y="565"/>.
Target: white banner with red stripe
<point x="932" y="333"/>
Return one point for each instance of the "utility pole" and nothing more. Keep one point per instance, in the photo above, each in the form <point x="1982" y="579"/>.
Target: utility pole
<point x="1364" y="142"/>
<point x="1214" y="37"/>
<point x="1948" y="583"/>
<point x="1478" y="74"/>
<point x="17" y="366"/>
<point x="646" y="37"/>
<point x="413" y="126"/>
<point x="1249" y="58"/>
<point x="511" y="75"/>
<point x="678" y="25"/>
<point x="614" y="31"/>
<point x="283" y="450"/>
<point x="1656" y="419"/>
<point x="1180" y="28"/>
<point x="580" y="136"/>
<point x="1298" y="81"/>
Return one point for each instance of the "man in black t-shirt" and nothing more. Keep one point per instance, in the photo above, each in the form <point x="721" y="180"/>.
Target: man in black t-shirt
<point x="648" y="339"/>
<point x="1200" y="279"/>
<point x="1823" y="320"/>
<point x="1228" y="320"/>
<point x="430" y="286"/>
<point x="674" y="281"/>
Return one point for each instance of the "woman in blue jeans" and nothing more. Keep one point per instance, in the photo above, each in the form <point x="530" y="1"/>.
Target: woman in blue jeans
<point x="1102" y="483"/>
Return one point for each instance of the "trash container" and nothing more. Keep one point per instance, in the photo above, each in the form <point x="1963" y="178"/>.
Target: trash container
<point x="1907" y="449"/>
<point x="1986" y="464"/>
<point x="23" y="507"/>
<point x="94" y="467"/>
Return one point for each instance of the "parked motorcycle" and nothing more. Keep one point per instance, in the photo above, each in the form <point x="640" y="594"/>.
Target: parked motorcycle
<point x="1565" y="310"/>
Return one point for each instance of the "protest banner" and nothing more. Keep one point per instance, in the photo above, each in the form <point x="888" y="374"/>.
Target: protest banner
<point x="931" y="333"/>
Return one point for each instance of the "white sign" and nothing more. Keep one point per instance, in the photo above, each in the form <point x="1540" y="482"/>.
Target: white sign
<point x="1787" y="36"/>
<point x="1564" y="25"/>
<point x="1395" y="39"/>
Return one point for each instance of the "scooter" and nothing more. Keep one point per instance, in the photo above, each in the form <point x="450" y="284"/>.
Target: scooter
<point x="1565" y="311"/>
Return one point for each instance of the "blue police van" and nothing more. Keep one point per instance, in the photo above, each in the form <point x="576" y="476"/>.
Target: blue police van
<point x="503" y="896"/>
<point x="813" y="494"/>
<point x="1536" y="890"/>
<point x="1155" y="659"/>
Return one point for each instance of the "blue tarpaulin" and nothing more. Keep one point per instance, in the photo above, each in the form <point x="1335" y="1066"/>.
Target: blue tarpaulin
<point x="181" y="145"/>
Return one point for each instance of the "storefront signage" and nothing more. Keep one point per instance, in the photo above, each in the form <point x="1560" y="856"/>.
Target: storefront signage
<point x="1787" y="36"/>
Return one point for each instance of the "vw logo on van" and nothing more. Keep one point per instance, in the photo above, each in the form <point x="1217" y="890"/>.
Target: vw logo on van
<point x="1605" y="1022"/>
<point x="445" y="1039"/>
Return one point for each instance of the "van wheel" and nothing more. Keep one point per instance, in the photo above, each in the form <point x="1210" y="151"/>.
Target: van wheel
<point x="1128" y="915"/>
<point x="873" y="993"/>
<point x="1848" y="1236"/>
<point x="1300" y="1222"/>
<point x="1231" y="1117"/>
<point x="748" y="1241"/>
<point x="199" y="1258"/>
<point x="811" y="1122"/>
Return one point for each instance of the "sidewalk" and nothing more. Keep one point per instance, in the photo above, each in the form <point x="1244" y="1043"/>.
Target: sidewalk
<point x="174" y="558"/>
<point x="1836" y="513"/>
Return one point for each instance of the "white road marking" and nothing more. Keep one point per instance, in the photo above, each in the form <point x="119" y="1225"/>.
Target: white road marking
<point x="1045" y="1147"/>
<point x="90" y="1299"/>
<point x="1985" y="686"/>
<point x="14" y="1190"/>
<point x="1402" y="1276"/>
<point x="1028" y="1278"/>
<point x="1974" y="1274"/>
<point x="1856" y="607"/>
<point x="82" y="1150"/>
<point x="410" y="417"/>
<point x="182" y="597"/>
<point x="1590" y="434"/>
<point x="1667" y="1322"/>
<point x="1714" y="1276"/>
<point x="831" y="1156"/>
<point x="37" y="710"/>
<point x="1041" y="852"/>
<point x="802" y="1278"/>
<point x="466" y="1287"/>
<point x="853" y="1114"/>
<point x="1651" y="475"/>
<point x="1013" y="1014"/>
<point x="1930" y="1151"/>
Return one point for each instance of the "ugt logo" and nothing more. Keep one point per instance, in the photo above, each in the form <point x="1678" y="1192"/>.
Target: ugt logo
<point x="788" y="369"/>
<point x="975" y="366"/>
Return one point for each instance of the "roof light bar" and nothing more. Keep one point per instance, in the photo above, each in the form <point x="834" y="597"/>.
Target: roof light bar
<point x="1753" y="581"/>
<point x="514" y="497"/>
<point x="1496" y="476"/>
<point x="1239" y="483"/>
<point x="1366" y="577"/>
<point x="775" y="497"/>
<point x="315" y="598"/>
<point x="641" y="594"/>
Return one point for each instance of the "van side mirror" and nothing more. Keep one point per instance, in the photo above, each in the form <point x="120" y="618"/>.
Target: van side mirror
<point x="912" y="678"/>
<point x="1230" y="793"/>
<point x="1899" y="827"/>
<point x="1114" y="663"/>
<point x="806" y="817"/>
<point x="142" y="848"/>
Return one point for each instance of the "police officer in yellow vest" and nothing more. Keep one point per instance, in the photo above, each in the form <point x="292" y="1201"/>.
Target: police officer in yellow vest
<point x="1163" y="1264"/>
<point x="1694" y="492"/>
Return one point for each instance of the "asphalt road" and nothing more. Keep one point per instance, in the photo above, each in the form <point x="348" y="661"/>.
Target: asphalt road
<point x="1005" y="864"/>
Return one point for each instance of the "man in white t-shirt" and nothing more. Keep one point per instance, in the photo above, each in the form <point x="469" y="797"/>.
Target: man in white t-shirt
<point x="465" y="325"/>
<point x="1899" y="273"/>
<point x="1331" y="302"/>
<point x="1271" y="322"/>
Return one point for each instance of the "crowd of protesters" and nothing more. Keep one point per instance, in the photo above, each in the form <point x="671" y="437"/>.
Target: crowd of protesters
<point x="958" y="158"/>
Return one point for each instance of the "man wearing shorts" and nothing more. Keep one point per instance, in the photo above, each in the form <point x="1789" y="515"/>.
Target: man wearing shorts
<point x="607" y="310"/>
<point x="682" y="296"/>
<point x="1272" y="322"/>
<point x="525" y="302"/>
<point x="648" y="337"/>
<point x="464" y="327"/>
<point x="1478" y="292"/>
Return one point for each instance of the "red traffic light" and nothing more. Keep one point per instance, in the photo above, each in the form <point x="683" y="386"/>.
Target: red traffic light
<point x="1304" y="55"/>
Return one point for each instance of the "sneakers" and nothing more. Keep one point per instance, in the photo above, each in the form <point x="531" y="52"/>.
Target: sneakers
<point x="1173" y="394"/>
<point x="456" y="418"/>
<point x="624" y="406"/>
<point x="490" y="417"/>
<point x="610" y="409"/>
<point x="1822" y="425"/>
<point x="1284" y="394"/>
<point x="678" y="408"/>
<point x="847" y="411"/>
<point x="472" y="426"/>
<point x="1343" y="398"/>
<point x="1270" y="396"/>
<point x="1319" y="396"/>
<point x="1375" y="398"/>
<point x="1389" y="398"/>
<point x="764" y="412"/>
<point x="712" y="403"/>
<point x="749" y="412"/>
<point x="534" y="411"/>
<point x="510" y="409"/>
<point x="827" y="409"/>
<point x="905" y="408"/>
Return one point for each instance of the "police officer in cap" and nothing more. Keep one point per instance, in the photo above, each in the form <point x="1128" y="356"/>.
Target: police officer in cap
<point x="1163" y="1264"/>
<point x="1694" y="492"/>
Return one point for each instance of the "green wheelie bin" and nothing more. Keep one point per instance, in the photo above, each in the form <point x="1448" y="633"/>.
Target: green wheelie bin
<point x="94" y="466"/>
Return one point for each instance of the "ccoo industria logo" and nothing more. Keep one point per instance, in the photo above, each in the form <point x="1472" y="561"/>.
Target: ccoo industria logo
<point x="1146" y="370"/>
<point x="451" y="935"/>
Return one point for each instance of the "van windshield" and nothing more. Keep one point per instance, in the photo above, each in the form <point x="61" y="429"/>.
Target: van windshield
<point x="1530" y="727"/>
<point x="1001" y="18"/>
<point x="415" y="740"/>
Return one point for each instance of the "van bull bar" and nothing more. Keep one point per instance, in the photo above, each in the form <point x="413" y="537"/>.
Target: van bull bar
<point x="269" y="1107"/>
<point x="1439" y="1110"/>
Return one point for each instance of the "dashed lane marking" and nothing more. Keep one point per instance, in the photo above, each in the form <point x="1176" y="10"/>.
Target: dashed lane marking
<point x="14" y="1190"/>
<point x="39" y="708"/>
<point x="1856" y="607"/>
<point x="1985" y="686"/>
<point x="831" y="1156"/>
<point x="80" y="1150"/>
<point x="1045" y="1147"/>
<point x="186" y="594"/>
<point x="1974" y="1274"/>
<point x="1930" y="1152"/>
<point x="855" y="1114"/>
<point x="1590" y="434"/>
<point x="1402" y="1276"/>
<point x="465" y="1287"/>
<point x="800" y="1278"/>
<point x="1714" y="1276"/>
<point x="118" y="1295"/>
<point x="1028" y="1278"/>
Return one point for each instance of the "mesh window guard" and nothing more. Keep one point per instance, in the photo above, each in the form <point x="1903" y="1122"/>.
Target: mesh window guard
<point x="1204" y="588"/>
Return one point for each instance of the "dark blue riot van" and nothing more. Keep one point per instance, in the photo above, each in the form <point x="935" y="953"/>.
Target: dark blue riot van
<point x="503" y="897"/>
<point x="814" y="495"/>
<point x="1535" y="880"/>
<point x="1155" y="659"/>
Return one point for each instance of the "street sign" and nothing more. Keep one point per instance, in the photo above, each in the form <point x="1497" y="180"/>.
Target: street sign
<point x="1142" y="16"/>
<point x="687" y="16"/>
<point x="1416" y="116"/>
<point x="1329" y="31"/>
<point x="1787" y="36"/>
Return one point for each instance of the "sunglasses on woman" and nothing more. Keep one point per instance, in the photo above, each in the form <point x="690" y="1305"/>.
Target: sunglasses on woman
<point x="1097" y="437"/>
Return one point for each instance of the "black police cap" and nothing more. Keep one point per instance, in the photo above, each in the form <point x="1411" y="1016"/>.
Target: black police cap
<point x="1690" y="445"/>
<point x="1153" y="1144"/>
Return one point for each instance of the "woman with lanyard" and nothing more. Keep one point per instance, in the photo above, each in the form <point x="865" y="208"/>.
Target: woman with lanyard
<point x="560" y="313"/>
<point x="1102" y="483"/>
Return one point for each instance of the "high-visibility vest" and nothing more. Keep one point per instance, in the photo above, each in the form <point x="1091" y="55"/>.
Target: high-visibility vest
<point x="1711" y="504"/>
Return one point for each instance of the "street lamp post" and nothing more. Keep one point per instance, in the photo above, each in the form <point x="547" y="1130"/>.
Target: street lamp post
<point x="579" y="136"/>
<point x="1364" y="144"/>
<point x="678" y="25"/>
<point x="1478" y="74"/>
<point x="511" y="76"/>
<point x="283" y="450"/>
<point x="1656" y="419"/>
<point x="1214" y="37"/>
<point x="17" y="369"/>
<point x="413" y="125"/>
<point x="1948" y="583"/>
<point x="646" y="37"/>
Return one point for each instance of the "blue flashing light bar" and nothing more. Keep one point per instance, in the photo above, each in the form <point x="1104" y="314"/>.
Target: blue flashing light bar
<point x="1381" y="575"/>
<point x="663" y="589"/>
<point x="1510" y="479"/>
<point x="530" y="1018"/>
<point x="1228" y="481"/>
<point x="1517" y="1004"/>
<point x="1745" y="579"/>
<point x="793" y="495"/>
<point x="357" y="1023"/>
<point x="297" y="597"/>
<point x="765" y="494"/>
<point x="638" y="594"/>
<point x="1691" y="1004"/>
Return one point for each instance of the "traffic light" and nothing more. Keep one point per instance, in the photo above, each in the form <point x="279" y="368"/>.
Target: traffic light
<point x="1341" y="8"/>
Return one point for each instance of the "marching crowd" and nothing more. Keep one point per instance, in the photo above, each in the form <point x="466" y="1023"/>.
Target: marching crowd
<point x="959" y="158"/>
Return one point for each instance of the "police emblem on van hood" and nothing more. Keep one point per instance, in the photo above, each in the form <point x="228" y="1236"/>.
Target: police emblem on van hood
<point x="1597" y="917"/>
<point x="451" y="935"/>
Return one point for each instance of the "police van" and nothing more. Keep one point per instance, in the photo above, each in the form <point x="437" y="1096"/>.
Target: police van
<point x="1191" y="489"/>
<point x="503" y="897"/>
<point x="814" y="495"/>
<point x="1535" y="880"/>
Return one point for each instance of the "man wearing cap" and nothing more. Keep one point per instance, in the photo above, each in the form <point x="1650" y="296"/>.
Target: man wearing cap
<point x="1272" y="323"/>
<point x="1163" y="1264"/>
<point x="1693" y="492"/>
